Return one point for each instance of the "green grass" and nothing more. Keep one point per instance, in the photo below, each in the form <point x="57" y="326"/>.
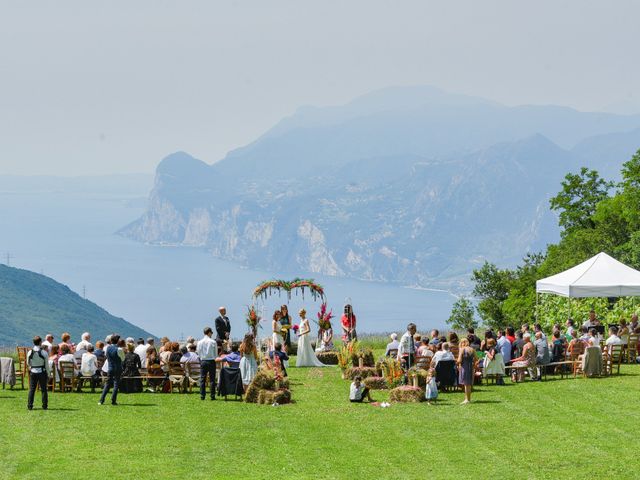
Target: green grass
<point x="553" y="429"/>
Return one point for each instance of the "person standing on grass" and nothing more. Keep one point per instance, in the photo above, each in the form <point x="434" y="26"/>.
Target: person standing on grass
<point x="466" y="363"/>
<point x="38" y="363"/>
<point x="207" y="350"/>
<point x="407" y="348"/>
<point x="115" y="357"/>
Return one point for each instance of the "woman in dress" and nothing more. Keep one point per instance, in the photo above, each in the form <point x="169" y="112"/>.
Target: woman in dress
<point x="131" y="368"/>
<point x="466" y="362"/>
<point x="248" y="362"/>
<point x="348" y="321"/>
<point x="276" y="336"/>
<point x="285" y="323"/>
<point x="306" y="355"/>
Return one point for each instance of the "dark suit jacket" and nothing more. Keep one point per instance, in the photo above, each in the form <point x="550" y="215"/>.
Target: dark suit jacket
<point x="222" y="326"/>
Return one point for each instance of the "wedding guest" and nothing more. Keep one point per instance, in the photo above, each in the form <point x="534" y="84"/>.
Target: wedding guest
<point x="407" y="349"/>
<point x="504" y="346"/>
<point x="623" y="331"/>
<point x="191" y="340"/>
<point x="576" y="346"/>
<point x="248" y="362"/>
<point x="207" y="350"/>
<point x="190" y="356"/>
<point x="488" y="335"/>
<point x="466" y="363"/>
<point x="54" y="355"/>
<point x="152" y="343"/>
<point x="435" y="337"/>
<point x="358" y="392"/>
<point x="474" y="341"/>
<point x="613" y="339"/>
<point x="392" y="345"/>
<point x="152" y="357"/>
<point x="348" y="322"/>
<point x="543" y="357"/>
<point x="538" y="328"/>
<point x="66" y="340"/>
<point x="99" y="350"/>
<point x="511" y="334"/>
<point x="165" y="356"/>
<point x="223" y="327"/>
<point x="164" y="342"/>
<point x="141" y="351"/>
<point x="527" y="359"/>
<point x="570" y="327"/>
<point x="517" y="345"/>
<point x="175" y="355"/>
<point x="282" y="356"/>
<point x="326" y="341"/>
<point x="634" y="322"/>
<point x="232" y="358"/>
<point x="453" y="339"/>
<point x="89" y="368"/>
<point x="38" y="364"/>
<point x="594" y="340"/>
<point x="584" y="334"/>
<point x="444" y="354"/>
<point x="115" y="357"/>
<point x="130" y="369"/>
<point x="557" y="347"/>
<point x="48" y="341"/>
<point x="423" y="349"/>
<point x="592" y="321"/>
<point x="66" y="355"/>
<point x="285" y="324"/>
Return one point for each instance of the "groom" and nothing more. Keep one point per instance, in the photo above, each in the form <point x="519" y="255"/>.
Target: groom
<point x="223" y="327"/>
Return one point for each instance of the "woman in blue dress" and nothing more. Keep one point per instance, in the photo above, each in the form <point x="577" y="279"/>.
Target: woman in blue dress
<point x="248" y="362"/>
<point x="466" y="363"/>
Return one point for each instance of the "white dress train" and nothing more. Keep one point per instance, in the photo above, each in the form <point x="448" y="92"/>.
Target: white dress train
<point x="306" y="356"/>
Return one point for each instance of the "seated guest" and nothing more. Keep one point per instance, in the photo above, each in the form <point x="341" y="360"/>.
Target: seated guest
<point x="66" y="340"/>
<point x="190" y="339"/>
<point x="570" y="328"/>
<point x="165" y="354"/>
<point x="613" y="339"/>
<point x="527" y="359"/>
<point x="99" y="350"/>
<point x="504" y="346"/>
<point x="358" y="392"/>
<point x="282" y="356"/>
<point x="165" y="344"/>
<point x="634" y="323"/>
<point x="141" y="351"/>
<point x="130" y="370"/>
<point x="511" y="334"/>
<point x="85" y="342"/>
<point x="417" y="340"/>
<point x="518" y="345"/>
<point x="557" y="347"/>
<point x="175" y="354"/>
<point x="538" y="328"/>
<point x="488" y="335"/>
<point x="89" y="368"/>
<point x="48" y="341"/>
<point x="593" y="340"/>
<point x="474" y="341"/>
<point x="494" y="361"/>
<point x="232" y="358"/>
<point x="623" y="331"/>
<point x="584" y="334"/>
<point x="543" y="357"/>
<point x="576" y="346"/>
<point x="131" y="341"/>
<point x="525" y="329"/>
<point x="67" y="356"/>
<point x="435" y="337"/>
<point x="191" y="356"/>
<point x="152" y="357"/>
<point x="423" y="349"/>
<point x="444" y="354"/>
<point x="453" y="339"/>
<point x="151" y="342"/>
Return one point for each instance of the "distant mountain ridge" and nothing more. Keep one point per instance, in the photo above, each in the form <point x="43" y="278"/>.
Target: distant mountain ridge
<point x="33" y="304"/>
<point x="411" y="185"/>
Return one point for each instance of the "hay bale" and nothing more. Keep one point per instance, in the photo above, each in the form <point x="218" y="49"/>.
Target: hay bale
<point x="368" y="359"/>
<point x="406" y="394"/>
<point x="264" y="379"/>
<point x="251" y="395"/>
<point x="328" y="358"/>
<point x="375" y="383"/>
<point x="363" y="372"/>
<point x="269" y="397"/>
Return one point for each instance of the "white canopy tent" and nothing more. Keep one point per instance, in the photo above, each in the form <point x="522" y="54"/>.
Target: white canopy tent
<point x="600" y="276"/>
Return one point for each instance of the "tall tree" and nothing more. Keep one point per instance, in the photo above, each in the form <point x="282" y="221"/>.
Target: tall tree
<point x="492" y="287"/>
<point x="462" y="315"/>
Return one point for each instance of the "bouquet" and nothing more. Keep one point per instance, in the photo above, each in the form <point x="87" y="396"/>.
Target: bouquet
<point x="324" y="317"/>
<point x="295" y="328"/>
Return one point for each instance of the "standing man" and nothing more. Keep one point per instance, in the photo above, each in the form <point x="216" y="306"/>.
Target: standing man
<point x="207" y="350"/>
<point x="38" y="363"/>
<point x="115" y="357"/>
<point x="407" y="347"/>
<point x="223" y="327"/>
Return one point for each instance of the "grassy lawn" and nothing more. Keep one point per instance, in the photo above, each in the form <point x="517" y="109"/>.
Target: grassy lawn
<point x="554" y="429"/>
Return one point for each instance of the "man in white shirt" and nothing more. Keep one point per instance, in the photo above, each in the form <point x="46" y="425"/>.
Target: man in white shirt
<point x="407" y="347"/>
<point x="358" y="392"/>
<point x="207" y="350"/>
<point x="48" y="342"/>
<point x="444" y="354"/>
<point x="393" y="345"/>
<point x="613" y="339"/>
<point x="85" y="342"/>
<point x="141" y="351"/>
<point x="89" y="368"/>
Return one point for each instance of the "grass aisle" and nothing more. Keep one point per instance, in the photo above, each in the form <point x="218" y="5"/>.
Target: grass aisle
<point x="554" y="429"/>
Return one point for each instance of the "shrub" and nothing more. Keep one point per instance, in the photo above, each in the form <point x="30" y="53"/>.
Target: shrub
<point x="328" y="358"/>
<point x="363" y="372"/>
<point x="406" y="394"/>
<point x="375" y="383"/>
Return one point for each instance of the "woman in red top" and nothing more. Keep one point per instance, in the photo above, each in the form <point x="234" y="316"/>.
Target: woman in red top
<point x="348" y="321"/>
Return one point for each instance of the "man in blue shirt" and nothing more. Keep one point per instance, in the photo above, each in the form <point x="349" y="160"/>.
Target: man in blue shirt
<point x="504" y="346"/>
<point x="281" y="355"/>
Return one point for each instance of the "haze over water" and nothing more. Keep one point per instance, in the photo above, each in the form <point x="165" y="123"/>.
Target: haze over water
<point x="66" y="230"/>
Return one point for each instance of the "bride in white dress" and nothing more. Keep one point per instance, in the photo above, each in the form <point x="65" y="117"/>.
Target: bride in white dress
<point x="306" y="356"/>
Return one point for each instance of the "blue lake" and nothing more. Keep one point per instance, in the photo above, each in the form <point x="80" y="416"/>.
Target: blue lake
<point x="68" y="233"/>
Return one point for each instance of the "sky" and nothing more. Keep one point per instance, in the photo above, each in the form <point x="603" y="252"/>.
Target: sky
<point x="91" y="88"/>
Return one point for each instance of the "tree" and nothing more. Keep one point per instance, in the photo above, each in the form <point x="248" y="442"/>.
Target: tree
<point x="462" y="316"/>
<point x="579" y="198"/>
<point x="492" y="287"/>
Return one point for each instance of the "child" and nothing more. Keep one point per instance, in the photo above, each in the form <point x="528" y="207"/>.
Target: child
<point x="359" y="392"/>
<point x="432" y="389"/>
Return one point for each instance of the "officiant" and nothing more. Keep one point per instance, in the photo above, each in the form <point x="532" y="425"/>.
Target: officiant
<point x="223" y="328"/>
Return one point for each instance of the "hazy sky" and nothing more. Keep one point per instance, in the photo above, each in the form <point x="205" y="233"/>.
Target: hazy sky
<point x="112" y="87"/>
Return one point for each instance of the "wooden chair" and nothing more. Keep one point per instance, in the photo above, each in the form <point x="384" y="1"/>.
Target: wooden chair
<point x="21" y="368"/>
<point x="393" y="353"/>
<point x="632" y="348"/>
<point x="68" y="379"/>
<point x="51" y="381"/>
<point x="612" y="355"/>
<point x="193" y="371"/>
<point x="422" y="363"/>
<point x="575" y="357"/>
<point x="177" y="376"/>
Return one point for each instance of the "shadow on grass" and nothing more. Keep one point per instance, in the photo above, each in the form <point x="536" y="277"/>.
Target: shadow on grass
<point x="137" y="405"/>
<point x="62" y="409"/>
<point x="5" y="397"/>
<point x="484" y="401"/>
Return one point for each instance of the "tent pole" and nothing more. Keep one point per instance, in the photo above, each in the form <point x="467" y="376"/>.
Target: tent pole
<point x="536" y="312"/>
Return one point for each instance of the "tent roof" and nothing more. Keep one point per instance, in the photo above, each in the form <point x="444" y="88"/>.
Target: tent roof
<point x="600" y="276"/>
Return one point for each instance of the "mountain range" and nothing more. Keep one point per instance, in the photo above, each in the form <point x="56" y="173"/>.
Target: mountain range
<point x="33" y="304"/>
<point x="412" y="185"/>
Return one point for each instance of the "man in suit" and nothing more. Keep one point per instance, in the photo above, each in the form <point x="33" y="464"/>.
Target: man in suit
<point x="223" y="327"/>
